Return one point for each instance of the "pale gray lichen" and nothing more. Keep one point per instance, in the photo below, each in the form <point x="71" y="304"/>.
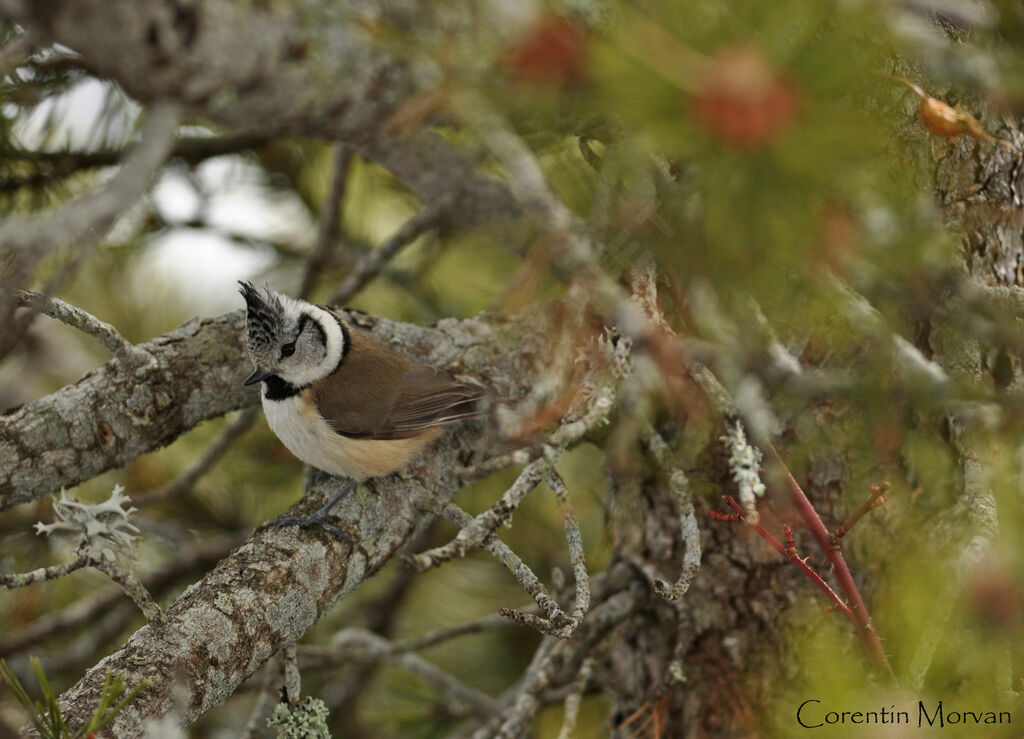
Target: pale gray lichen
<point x="223" y="604"/>
<point x="308" y="720"/>
<point x="104" y="530"/>
<point x="745" y="465"/>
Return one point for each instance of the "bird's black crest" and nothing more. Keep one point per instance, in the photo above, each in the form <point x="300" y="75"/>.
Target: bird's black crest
<point x="265" y="317"/>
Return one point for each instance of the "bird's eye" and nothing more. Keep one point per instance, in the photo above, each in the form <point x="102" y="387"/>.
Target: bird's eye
<point x="287" y="350"/>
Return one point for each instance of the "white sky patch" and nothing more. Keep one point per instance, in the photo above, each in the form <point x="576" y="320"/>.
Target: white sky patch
<point x="175" y="198"/>
<point x="191" y="271"/>
<point x="196" y="270"/>
<point x="241" y="203"/>
<point x="200" y="268"/>
<point x="82" y="118"/>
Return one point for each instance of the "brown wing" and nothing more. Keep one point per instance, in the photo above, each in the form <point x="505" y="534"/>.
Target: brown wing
<point x="378" y="394"/>
<point x="429" y="398"/>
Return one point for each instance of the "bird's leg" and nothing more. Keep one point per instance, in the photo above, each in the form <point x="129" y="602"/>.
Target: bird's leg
<point x="319" y="517"/>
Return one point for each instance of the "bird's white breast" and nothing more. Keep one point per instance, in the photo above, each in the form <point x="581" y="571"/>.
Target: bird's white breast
<point x="308" y="436"/>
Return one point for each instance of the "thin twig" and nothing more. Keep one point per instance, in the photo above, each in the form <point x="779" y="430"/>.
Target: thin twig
<point x="557" y="621"/>
<point x="45" y="573"/>
<point x="370" y="265"/>
<point x="292" y="676"/>
<point x="801" y="564"/>
<point x="128" y="582"/>
<point x="363" y="644"/>
<point x="679" y="486"/>
<point x="876" y="497"/>
<point x="133" y="589"/>
<point x="575" y="698"/>
<point x="438" y="636"/>
<point x="861" y="617"/>
<point x="473" y="534"/>
<point x="330" y="219"/>
<point x="75" y="317"/>
<point x="201" y="466"/>
<point x="576" y="554"/>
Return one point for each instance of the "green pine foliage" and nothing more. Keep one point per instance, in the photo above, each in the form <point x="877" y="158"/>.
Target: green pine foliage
<point x="46" y="715"/>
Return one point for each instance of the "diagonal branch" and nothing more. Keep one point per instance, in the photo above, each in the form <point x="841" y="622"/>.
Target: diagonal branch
<point x="475" y="532"/>
<point x="82" y="222"/>
<point x="284" y="593"/>
<point x="111" y="416"/>
<point x="201" y="466"/>
<point x="330" y="220"/>
<point x="365" y="644"/>
<point x="370" y="266"/>
<point x="284" y="580"/>
<point x="292" y="71"/>
<point x="75" y="317"/>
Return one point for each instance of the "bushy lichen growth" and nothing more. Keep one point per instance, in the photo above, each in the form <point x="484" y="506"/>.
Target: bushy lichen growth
<point x="744" y="461"/>
<point x="104" y="530"/>
<point x="308" y="720"/>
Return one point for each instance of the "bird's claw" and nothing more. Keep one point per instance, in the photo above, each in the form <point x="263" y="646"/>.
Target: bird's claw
<point x="308" y="522"/>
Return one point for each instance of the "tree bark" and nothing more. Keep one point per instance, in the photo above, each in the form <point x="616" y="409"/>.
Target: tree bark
<point x="270" y="591"/>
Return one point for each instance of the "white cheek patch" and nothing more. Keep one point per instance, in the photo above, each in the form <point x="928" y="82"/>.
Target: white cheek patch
<point x="300" y="376"/>
<point x="335" y="346"/>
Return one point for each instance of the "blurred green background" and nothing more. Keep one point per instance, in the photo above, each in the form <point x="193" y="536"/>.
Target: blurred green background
<point x="753" y="150"/>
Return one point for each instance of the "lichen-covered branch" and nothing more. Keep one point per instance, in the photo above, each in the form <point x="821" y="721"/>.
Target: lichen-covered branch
<point x="84" y="321"/>
<point x="269" y="592"/>
<point x="679" y="486"/>
<point x="262" y="597"/>
<point x="43" y="574"/>
<point x="476" y="531"/>
<point x="113" y="414"/>
<point x="557" y="622"/>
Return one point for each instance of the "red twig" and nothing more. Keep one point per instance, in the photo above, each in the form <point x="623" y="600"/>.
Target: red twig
<point x="875" y="498"/>
<point x="789" y="553"/>
<point x="860" y="616"/>
<point x="725" y="517"/>
<point x="790" y="542"/>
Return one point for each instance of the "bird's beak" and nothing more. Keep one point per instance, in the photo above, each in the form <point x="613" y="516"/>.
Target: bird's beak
<point x="256" y="377"/>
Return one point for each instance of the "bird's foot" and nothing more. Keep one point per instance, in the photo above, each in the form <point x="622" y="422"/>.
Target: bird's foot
<point x="319" y="518"/>
<point x="314" y="521"/>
